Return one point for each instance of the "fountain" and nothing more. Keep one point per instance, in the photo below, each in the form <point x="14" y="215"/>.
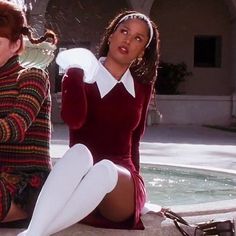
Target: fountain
<point x="170" y="185"/>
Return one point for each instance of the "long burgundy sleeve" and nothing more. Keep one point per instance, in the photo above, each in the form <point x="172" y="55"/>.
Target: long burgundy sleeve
<point x="138" y="132"/>
<point x="74" y="102"/>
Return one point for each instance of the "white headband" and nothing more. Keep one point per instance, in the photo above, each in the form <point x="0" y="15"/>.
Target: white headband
<point x="142" y="17"/>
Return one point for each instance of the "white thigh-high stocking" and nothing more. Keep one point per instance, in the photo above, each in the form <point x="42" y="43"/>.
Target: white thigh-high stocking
<point x="100" y="180"/>
<point x="58" y="188"/>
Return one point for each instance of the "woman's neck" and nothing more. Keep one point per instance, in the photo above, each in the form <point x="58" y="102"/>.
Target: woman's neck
<point x="116" y="69"/>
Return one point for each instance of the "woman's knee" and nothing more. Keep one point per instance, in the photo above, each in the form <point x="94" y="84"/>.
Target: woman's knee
<point x="76" y="162"/>
<point x="79" y="154"/>
<point x="108" y="169"/>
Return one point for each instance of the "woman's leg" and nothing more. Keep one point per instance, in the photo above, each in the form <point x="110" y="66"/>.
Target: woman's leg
<point x="15" y="213"/>
<point x="119" y="204"/>
<point x="58" y="188"/>
<point x="103" y="180"/>
<point x="100" y="180"/>
<point x="9" y="211"/>
<point x="100" y="187"/>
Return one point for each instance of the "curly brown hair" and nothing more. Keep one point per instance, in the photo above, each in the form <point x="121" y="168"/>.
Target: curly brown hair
<point x="145" y="70"/>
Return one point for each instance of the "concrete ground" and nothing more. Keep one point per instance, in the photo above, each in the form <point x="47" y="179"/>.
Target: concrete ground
<point x="167" y="144"/>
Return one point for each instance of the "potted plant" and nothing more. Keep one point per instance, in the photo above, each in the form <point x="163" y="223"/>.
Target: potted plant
<point x="169" y="77"/>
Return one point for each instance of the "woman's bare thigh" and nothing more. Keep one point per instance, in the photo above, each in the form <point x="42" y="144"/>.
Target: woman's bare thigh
<point x="118" y="205"/>
<point x="15" y="213"/>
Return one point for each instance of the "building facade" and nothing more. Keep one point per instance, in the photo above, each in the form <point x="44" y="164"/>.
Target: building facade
<point x="200" y="33"/>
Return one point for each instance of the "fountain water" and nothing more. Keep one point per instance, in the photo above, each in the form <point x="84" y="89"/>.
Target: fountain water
<point x="169" y="185"/>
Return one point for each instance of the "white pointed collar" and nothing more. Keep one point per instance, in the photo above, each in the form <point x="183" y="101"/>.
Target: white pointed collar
<point x="105" y="81"/>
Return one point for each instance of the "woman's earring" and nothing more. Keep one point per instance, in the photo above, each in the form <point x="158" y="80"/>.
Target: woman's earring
<point x="139" y="59"/>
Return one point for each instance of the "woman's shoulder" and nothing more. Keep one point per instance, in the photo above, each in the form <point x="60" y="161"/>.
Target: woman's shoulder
<point x="146" y="86"/>
<point x="33" y="72"/>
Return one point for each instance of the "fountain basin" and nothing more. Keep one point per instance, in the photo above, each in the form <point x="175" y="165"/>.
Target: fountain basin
<point x="169" y="185"/>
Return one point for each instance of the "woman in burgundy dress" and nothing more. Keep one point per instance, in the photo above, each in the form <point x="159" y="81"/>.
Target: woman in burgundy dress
<point x="98" y="181"/>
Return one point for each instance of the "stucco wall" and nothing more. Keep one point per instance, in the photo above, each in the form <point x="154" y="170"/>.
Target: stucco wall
<point x="82" y="21"/>
<point x="194" y="110"/>
<point x="179" y="21"/>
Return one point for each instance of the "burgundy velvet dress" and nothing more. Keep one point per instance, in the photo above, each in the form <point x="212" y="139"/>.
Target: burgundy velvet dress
<point x="111" y="127"/>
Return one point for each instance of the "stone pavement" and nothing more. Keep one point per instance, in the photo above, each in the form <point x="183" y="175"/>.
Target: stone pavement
<point x="167" y="144"/>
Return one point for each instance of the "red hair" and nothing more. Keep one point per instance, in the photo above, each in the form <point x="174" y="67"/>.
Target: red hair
<point x="13" y="25"/>
<point x="12" y="19"/>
